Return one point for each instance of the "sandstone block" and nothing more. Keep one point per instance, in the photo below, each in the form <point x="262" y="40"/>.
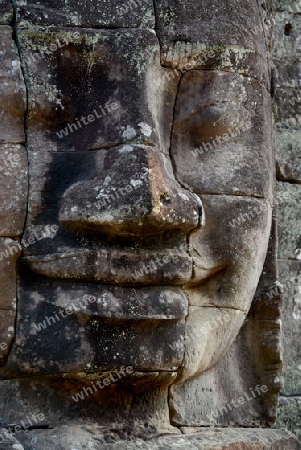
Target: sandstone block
<point x="203" y="33"/>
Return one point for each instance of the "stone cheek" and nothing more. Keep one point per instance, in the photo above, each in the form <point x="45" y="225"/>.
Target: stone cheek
<point x="229" y="246"/>
<point x="220" y="138"/>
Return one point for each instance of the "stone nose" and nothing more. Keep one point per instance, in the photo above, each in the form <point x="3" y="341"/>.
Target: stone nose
<point x="131" y="195"/>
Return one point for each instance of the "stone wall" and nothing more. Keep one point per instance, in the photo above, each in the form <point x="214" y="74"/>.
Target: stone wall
<point x="287" y="58"/>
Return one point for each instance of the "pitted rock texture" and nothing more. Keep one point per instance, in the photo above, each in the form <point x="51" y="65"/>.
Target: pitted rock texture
<point x="184" y="28"/>
<point x="289" y="217"/>
<point x="12" y="91"/>
<point x="155" y="203"/>
<point x="219" y="139"/>
<point x="290" y="275"/>
<point x="80" y="82"/>
<point x="6" y="12"/>
<point x="89" y="437"/>
<point x="113" y="14"/>
<point x="99" y="333"/>
<point x="13" y="189"/>
<point x="293" y="6"/>
<point x="9" y="252"/>
<point x="109" y="108"/>
<point x="287" y="58"/>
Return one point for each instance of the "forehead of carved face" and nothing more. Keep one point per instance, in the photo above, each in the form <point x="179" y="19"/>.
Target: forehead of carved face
<point x="149" y="194"/>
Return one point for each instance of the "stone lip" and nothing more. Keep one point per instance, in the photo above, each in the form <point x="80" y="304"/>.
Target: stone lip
<point x="126" y="267"/>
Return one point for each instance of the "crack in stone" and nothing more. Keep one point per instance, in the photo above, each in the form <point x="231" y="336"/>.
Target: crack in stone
<point x="15" y="39"/>
<point x="234" y="194"/>
<point x="284" y="180"/>
<point x="89" y="373"/>
<point x="241" y="73"/>
<point x="221" y="307"/>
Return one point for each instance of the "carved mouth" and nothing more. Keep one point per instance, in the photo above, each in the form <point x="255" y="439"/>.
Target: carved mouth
<point x="123" y="268"/>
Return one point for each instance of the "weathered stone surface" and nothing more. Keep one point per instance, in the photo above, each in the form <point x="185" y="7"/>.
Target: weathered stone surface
<point x="287" y="36"/>
<point x="146" y="203"/>
<point x="198" y="401"/>
<point x="264" y="329"/>
<point x="293" y="6"/>
<point x="103" y="106"/>
<point x="13" y="189"/>
<point x="209" y="332"/>
<point x="219" y="142"/>
<point x="7" y="332"/>
<point x="288" y="102"/>
<point x="288" y="133"/>
<point x="113" y="14"/>
<point x="9" y="253"/>
<point x="289" y="155"/>
<point x="9" y="442"/>
<point x="290" y="278"/>
<point x="229" y="248"/>
<point x="287" y="48"/>
<point x="289" y="413"/>
<point x="92" y="109"/>
<point x="289" y="217"/>
<point x="97" y="334"/>
<point x="88" y="436"/>
<point x="156" y="202"/>
<point x="200" y="37"/>
<point x="114" y="412"/>
<point x="6" y="12"/>
<point x="133" y="268"/>
<point x="287" y="57"/>
<point x="12" y="91"/>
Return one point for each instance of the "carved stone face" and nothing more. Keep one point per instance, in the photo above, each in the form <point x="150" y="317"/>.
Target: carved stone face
<point x="150" y="177"/>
